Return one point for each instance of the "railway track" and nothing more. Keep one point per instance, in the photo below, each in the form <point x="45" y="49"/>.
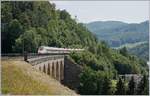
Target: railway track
<point x="28" y="56"/>
<point x="12" y="56"/>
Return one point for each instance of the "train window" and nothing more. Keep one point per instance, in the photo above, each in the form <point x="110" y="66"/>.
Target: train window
<point x="41" y="48"/>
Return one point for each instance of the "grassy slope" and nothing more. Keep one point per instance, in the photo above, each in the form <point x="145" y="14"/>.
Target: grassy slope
<point x="19" y="77"/>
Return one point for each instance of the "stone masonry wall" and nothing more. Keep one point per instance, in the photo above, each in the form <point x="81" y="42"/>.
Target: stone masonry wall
<point x="71" y="74"/>
<point x="54" y="68"/>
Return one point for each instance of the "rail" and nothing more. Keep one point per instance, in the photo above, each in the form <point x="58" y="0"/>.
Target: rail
<point x="32" y="57"/>
<point x="12" y="56"/>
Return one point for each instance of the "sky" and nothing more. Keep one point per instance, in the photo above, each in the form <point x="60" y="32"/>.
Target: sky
<point x="88" y="11"/>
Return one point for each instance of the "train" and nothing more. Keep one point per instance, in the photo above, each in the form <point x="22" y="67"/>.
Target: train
<point x="56" y="50"/>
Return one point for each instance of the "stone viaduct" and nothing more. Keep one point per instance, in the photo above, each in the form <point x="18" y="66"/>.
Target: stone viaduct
<point x="59" y="67"/>
<point x="52" y="65"/>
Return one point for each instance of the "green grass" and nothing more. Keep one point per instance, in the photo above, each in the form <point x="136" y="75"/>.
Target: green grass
<point x="15" y="80"/>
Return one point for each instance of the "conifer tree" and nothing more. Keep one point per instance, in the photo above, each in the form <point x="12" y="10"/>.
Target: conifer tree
<point x="120" y="87"/>
<point x="106" y="86"/>
<point x="124" y="51"/>
<point x="131" y="87"/>
<point x="143" y="86"/>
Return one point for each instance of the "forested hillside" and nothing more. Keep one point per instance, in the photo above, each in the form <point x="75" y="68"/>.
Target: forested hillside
<point x="28" y="25"/>
<point x="141" y="50"/>
<point x="118" y="33"/>
<point x="38" y="23"/>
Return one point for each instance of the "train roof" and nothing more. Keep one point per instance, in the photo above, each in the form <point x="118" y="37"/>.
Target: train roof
<point x="56" y="48"/>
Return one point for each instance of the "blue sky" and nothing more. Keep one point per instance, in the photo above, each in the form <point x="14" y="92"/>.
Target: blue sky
<point x="88" y="11"/>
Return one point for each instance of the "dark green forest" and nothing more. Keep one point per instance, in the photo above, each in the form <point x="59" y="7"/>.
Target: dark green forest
<point x="27" y="25"/>
<point x="118" y="34"/>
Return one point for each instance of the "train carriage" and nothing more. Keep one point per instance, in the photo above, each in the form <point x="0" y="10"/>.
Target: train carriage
<point x="55" y="50"/>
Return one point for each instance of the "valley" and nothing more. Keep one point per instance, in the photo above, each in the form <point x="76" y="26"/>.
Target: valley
<point x="119" y="34"/>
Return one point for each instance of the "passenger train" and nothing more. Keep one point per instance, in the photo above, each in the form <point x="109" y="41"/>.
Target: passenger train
<point x="55" y="50"/>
